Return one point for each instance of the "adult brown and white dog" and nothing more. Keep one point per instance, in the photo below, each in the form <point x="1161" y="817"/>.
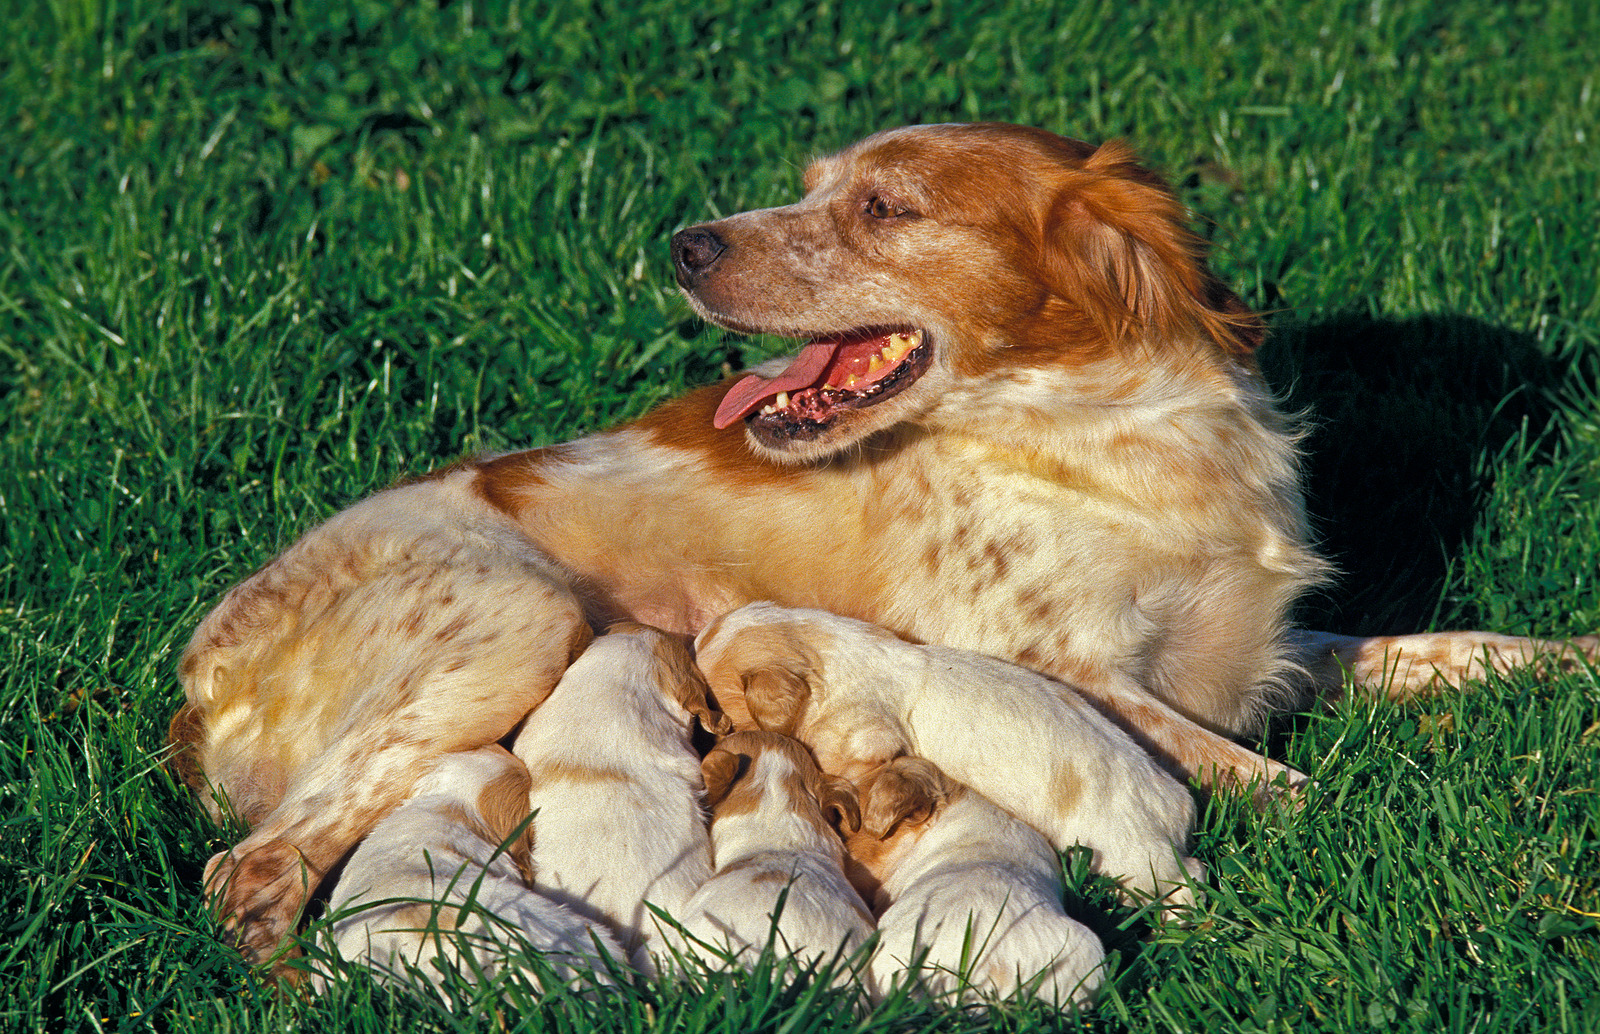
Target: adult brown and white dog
<point x="1025" y="421"/>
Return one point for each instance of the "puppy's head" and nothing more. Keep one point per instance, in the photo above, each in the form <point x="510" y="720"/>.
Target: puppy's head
<point x="728" y="767"/>
<point x="898" y="802"/>
<point x="905" y="793"/>
<point x="761" y="664"/>
<point x="928" y="260"/>
<point x="676" y="674"/>
<point x="721" y="770"/>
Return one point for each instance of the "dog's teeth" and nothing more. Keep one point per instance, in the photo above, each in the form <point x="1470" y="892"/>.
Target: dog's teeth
<point x="875" y="364"/>
<point x="782" y="401"/>
<point x="852" y="381"/>
<point x="900" y="345"/>
<point x="768" y="409"/>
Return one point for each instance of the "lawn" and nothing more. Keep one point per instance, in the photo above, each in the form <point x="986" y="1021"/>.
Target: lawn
<point x="258" y="259"/>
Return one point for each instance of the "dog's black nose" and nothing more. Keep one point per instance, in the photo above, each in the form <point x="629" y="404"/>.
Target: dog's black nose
<point x="694" y="252"/>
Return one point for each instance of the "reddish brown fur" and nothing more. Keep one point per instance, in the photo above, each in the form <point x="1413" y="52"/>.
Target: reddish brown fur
<point x="504" y="807"/>
<point x="184" y="734"/>
<point x="897" y="799"/>
<point x="676" y="671"/>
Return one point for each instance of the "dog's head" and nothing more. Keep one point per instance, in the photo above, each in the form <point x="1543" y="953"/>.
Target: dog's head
<point x="760" y="662"/>
<point x="926" y="259"/>
<point x="729" y="767"/>
<point x="675" y="673"/>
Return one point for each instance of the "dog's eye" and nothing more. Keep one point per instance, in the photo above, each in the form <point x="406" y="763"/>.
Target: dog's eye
<point x="880" y="207"/>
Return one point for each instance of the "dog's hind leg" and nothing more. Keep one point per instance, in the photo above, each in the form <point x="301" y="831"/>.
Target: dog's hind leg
<point x="415" y="662"/>
<point x="1188" y="749"/>
<point x="1405" y="667"/>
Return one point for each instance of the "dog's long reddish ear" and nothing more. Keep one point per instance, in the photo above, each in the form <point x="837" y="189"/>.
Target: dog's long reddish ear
<point x="777" y="697"/>
<point x="1117" y="247"/>
<point x="906" y="792"/>
<point x="720" y="770"/>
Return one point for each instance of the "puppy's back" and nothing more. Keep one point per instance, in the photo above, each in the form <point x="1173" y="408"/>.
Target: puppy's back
<point x="443" y="877"/>
<point x="775" y="848"/>
<point x="616" y="783"/>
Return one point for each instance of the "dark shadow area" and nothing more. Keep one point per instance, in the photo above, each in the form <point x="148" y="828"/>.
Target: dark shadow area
<point x="1399" y="415"/>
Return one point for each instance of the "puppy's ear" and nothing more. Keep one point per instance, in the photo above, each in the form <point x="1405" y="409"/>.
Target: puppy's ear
<point x="907" y="791"/>
<point x="839" y="796"/>
<point x="676" y="669"/>
<point x="504" y="806"/>
<point x="777" y="697"/>
<point x="720" y="770"/>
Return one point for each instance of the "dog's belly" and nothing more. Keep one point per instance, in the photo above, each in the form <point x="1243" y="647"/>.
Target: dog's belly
<point x="1021" y="573"/>
<point x="943" y="544"/>
<point x="986" y="562"/>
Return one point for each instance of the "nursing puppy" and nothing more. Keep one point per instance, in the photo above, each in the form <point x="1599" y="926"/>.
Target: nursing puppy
<point x="775" y="847"/>
<point x="440" y="884"/>
<point x="616" y="795"/>
<point x="861" y="697"/>
<point x="969" y="899"/>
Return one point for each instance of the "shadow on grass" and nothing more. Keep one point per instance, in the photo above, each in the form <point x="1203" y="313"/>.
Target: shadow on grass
<point x="1401" y="414"/>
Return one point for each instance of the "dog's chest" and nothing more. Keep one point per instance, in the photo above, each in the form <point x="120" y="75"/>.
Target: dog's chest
<point x="993" y="558"/>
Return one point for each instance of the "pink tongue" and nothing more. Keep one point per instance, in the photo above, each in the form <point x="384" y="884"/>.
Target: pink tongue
<point x="807" y="368"/>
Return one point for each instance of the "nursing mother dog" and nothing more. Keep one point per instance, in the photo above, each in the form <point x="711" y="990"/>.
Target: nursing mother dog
<point x="1023" y="419"/>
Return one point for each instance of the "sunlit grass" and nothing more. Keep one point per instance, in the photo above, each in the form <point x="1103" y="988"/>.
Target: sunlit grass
<point x="259" y="259"/>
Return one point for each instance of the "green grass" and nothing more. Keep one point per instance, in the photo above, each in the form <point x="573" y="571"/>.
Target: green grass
<point x="258" y="259"/>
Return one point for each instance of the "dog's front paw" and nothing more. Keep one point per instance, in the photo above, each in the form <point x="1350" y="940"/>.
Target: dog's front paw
<point x="258" y="894"/>
<point x="1280" y="787"/>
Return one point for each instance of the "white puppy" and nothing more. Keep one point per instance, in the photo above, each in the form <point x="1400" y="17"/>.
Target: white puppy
<point x="969" y="898"/>
<point x="618" y="819"/>
<point x="432" y="888"/>
<point x="774" y="845"/>
<point x="860" y="697"/>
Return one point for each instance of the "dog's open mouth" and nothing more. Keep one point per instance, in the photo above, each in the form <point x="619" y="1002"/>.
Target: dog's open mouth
<point x="830" y="374"/>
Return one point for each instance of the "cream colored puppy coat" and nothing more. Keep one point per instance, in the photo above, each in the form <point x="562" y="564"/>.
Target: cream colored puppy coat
<point x="433" y="888"/>
<point x="968" y="897"/>
<point x="861" y="697"/>
<point x="616" y="795"/>
<point x="773" y="843"/>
